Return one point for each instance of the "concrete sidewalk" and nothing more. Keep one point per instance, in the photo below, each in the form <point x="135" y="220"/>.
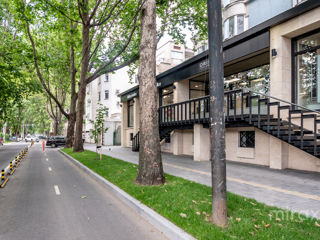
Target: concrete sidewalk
<point x="289" y="189"/>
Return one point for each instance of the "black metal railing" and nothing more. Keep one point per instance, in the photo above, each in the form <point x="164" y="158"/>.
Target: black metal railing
<point x="191" y="111"/>
<point x="270" y="114"/>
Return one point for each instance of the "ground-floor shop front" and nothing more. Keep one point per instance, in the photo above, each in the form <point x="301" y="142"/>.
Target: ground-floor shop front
<point x="272" y="97"/>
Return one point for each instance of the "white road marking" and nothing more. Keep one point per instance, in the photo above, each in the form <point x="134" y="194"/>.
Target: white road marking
<point x="47" y="159"/>
<point x="56" y="188"/>
<point x="50" y="169"/>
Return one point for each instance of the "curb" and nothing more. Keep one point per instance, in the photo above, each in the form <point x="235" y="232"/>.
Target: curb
<point x="169" y="229"/>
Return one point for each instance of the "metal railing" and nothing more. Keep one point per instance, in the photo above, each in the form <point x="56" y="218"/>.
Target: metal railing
<point x="256" y="108"/>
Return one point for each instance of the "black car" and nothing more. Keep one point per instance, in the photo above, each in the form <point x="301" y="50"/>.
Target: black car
<point x="56" y="141"/>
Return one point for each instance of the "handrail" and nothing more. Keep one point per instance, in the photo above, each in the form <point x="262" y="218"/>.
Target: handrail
<point x="281" y="100"/>
<point x="190" y="100"/>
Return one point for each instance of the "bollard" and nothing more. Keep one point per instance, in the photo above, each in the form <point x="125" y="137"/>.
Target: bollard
<point x="3" y="179"/>
<point x="16" y="161"/>
<point x="12" y="169"/>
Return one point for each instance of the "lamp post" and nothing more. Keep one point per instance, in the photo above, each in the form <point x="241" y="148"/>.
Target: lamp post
<point x="217" y="124"/>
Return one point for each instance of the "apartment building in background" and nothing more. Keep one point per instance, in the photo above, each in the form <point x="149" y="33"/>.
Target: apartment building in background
<point x="106" y="89"/>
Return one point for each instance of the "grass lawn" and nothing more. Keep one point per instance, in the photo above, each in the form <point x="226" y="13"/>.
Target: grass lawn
<point x="188" y="205"/>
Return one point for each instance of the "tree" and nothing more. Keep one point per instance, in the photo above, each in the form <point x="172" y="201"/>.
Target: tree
<point x="98" y="127"/>
<point x="150" y="163"/>
<point x="217" y="127"/>
<point x="15" y="81"/>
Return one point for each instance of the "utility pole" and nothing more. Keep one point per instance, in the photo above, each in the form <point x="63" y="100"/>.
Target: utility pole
<point x="217" y="124"/>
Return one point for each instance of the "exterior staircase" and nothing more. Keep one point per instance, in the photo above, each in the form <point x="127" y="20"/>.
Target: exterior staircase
<point x="246" y="108"/>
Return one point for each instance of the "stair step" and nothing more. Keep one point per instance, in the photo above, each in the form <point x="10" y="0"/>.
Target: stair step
<point x="284" y="107"/>
<point x="306" y="143"/>
<point x="294" y="132"/>
<point x="297" y="138"/>
<point x="295" y="111"/>
<point x="275" y="127"/>
<point x="264" y="119"/>
<point x="309" y="116"/>
<point x="273" y="103"/>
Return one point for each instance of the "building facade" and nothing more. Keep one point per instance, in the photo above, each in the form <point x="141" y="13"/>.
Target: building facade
<point x="272" y="96"/>
<point x="105" y="91"/>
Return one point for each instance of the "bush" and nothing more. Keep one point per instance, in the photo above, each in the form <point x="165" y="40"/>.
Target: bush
<point x="7" y="137"/>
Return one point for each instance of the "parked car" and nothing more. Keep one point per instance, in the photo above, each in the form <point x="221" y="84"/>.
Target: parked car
<point x="42" y="138"/>
<point x="56" y="141"/>
<point x="28" y="138"/>
<point x="13" y="139"/>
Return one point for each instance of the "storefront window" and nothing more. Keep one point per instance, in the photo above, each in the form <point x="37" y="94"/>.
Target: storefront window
<point x="130" y="113"/>
<point x="199" y="86"/>
<point x="307" y="66"/>
<point x="166" y="96"/>
<point x="257" y="79"/>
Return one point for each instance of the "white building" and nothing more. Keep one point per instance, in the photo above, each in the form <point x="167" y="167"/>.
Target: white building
<point x="105" y="90"/>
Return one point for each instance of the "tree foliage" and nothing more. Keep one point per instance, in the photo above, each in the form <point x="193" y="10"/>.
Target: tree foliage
<point x="16" y="80"/>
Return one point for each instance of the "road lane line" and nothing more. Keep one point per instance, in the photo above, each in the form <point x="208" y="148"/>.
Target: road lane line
<point x="289" y="192"/>
<point x="50" y="169"/>
<point x="56" y="189"/>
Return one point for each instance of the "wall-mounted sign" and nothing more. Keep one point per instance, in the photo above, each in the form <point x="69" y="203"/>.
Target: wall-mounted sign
<point x="204" y="65"/>
<point x="132" y="95"/>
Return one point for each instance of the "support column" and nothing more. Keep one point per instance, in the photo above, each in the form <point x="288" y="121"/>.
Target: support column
<point x="279" y="152"/>
<point x="181" y="91"/>
<point x="124" y="124"/>
<point x="177" y="142"/>
<point x="201" y="143"/>
<point x="136" y="115"/>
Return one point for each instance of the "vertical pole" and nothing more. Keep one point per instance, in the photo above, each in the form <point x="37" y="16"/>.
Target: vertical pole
<point x="217" y="134"/>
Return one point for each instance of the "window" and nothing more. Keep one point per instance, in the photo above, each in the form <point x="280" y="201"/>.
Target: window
<point x="106" y="94"/>
<point x="240" y="24"/>
<point x="177" y="55"/>
<point x="247" y="139"/>
<point x="296" y="2"/>
<point x="106" y="78"/>
<point x="130" y="113"/>
<point x="232" y="26"/>
<point x="225" y="2"/>
<point x="177" y="47"/>
<point x="136" y="80"/>
<point x="107" y="113"/>
<point x="256" y="79"/>
<point x="117" y="91"/>
<point x="166" y="96"/>
<point x="199" y="86"/>
<point x="307" y="70"/>
<point x="99" y="96"/>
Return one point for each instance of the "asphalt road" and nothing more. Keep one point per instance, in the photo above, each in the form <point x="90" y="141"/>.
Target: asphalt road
<point x="9" y="151"/>
<point x="49" y="198"/>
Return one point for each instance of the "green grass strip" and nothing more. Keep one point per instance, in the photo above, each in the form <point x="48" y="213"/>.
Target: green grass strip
<point x="188" y="205"/>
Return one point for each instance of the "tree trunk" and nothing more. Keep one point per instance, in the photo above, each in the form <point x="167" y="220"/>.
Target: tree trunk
<point x="70" y="130"/>
<point x="150" y="162"/>
<point x="78" y="144"/>
<point x="217" y="128"/>
<point x="73" y="103"/>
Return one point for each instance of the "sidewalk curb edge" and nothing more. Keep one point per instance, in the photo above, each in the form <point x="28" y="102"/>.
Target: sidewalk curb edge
<point x="168" y="228"/>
